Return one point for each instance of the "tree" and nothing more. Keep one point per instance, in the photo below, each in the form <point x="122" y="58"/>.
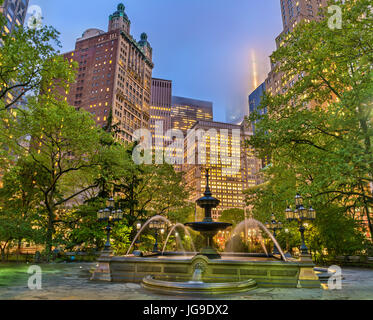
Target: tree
<point x="335" y="234"/>
<point x="79" y="227"/>
<point x="319" y="131"/>
<point x="65" y="143"/>
<point x="30" y="64"/>
<point x="233" y="216"/>
<point x="147" y="190"/>
<point x="18" y="201"/>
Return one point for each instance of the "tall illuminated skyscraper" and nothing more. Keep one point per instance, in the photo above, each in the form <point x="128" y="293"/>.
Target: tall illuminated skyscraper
<point x="160" y="109"/>
<point x="255" y="99"/>
<point x="229" y="176"/>
<point x="114" y="76"/>
<point x="293" y="12"/>
<point x="186" y="112"/>
<point x="15" y="13"/>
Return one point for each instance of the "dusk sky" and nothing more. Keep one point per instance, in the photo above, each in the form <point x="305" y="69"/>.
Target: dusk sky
<point x="204" y="46"/>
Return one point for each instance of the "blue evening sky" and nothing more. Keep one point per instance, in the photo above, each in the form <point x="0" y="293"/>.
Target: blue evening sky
<point x="204" y="46"/>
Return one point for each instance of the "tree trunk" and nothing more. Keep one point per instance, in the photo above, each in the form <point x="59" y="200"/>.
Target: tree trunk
<point x="368" y="148"/>
<point x="49" y="236"/>
<point x="366" y="207"/>
<point x="369" y="220"/>
<point x="3" y="254"/>
<point x="18" y="252"/>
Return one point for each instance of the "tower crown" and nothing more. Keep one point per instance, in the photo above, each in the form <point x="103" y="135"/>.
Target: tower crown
<point x="119" y="19"/>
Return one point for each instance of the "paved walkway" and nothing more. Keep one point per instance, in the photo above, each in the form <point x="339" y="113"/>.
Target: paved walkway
<point x="70" y="282"/>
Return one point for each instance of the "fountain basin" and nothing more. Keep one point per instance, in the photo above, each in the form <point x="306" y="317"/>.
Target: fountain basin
<point x="266" y="271"/>
<point x="209" y="229"/>
<point x="163" y="285"/>
<point x="208" y="226"/>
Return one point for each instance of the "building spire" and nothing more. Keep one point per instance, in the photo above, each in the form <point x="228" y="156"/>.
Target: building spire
<point x="119" y="19"/>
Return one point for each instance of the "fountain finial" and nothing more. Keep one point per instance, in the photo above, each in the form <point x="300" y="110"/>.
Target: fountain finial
<point x="208" y="192"/>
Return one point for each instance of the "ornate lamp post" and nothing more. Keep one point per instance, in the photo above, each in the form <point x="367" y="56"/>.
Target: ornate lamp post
<point x="301" y="214"/>
<point x="109" y="215"/>
<point x="158" y="226"/>
<point x="274" y="226"/>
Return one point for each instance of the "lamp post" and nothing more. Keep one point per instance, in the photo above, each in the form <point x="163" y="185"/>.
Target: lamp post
<point x="301" y="214"/>
<point x="109" y="215"/>
<point x="138" y="241"/>
<point x="158" y="226"/>
<point x="274" y="226"/>
<point x="137" y="251"/>
<point x="287" y="231"/>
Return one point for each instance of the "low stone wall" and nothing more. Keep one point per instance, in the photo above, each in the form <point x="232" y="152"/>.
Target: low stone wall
<point x="354" y="261"/>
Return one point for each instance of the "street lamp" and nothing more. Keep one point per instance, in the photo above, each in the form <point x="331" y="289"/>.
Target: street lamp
<point x="301" y="214"/>
<point x="137" y="251"/>
<point x="158" y="226"/>
<point x="109" y="215"/>
<point x="274" y="226"/>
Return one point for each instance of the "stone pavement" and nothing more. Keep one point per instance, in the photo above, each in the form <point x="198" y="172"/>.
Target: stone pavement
<point x="71" y="282"/>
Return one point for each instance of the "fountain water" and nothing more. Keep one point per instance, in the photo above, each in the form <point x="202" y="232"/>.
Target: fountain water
<point x="155" y="218"/>
<point x="178" y="225"/>
<point x="252" y="223"/>
<point x="197" y="275"/>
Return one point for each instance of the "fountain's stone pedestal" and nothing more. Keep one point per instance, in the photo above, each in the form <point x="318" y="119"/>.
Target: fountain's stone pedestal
<point x="307" y="275"/>
<point x="306" y="258"/>
<point x="103" y="270"/>
<point x="308" y="278"/>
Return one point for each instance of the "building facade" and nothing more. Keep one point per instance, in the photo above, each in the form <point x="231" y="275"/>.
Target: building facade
<point x="186" y="112"/>
<point x="255" y="99"/>
<point x="231" y="171"/>
<point x="293" y="12"/>
<point x="114" y="76"/>
<point x="14" y="12"/>
<point x="160" y="111"/>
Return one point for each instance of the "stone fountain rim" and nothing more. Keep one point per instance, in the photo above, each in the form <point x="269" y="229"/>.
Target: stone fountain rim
<point x="150" y="282"/>
<point x="134" y="259"/>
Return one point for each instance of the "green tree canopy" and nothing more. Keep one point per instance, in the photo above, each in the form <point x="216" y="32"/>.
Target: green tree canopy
<point x="233" y="216"/>
<point x="318" y="132"/>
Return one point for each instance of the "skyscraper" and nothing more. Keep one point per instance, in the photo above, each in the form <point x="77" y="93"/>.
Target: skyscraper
<point x="293" y="12"/>
<point x="255" y="99"/>
<point x="160" y="109"/>
<point x="15" y="13"/>
<point x="114" y="76"/>
<point x="186" y="112"/>
<point x="233" y="167"/>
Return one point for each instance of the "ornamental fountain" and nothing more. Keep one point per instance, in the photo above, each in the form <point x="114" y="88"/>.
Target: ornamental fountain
<point x="206" y="271"/>
<point x="208" y="228"/>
